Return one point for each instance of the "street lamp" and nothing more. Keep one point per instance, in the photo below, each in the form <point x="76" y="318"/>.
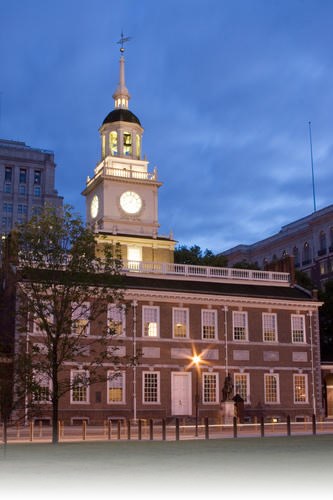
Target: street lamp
<point x="196" y="361"/>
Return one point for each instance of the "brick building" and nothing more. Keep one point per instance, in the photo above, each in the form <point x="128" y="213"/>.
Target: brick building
<point x="191" y="325"/>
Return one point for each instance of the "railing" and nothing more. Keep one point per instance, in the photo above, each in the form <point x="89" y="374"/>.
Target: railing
<point x="219" y="273"/>
<point x="161" y="430"/>
<point x="127" y="172"/>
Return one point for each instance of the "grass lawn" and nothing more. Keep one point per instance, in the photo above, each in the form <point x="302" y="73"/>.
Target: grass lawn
<point x="292" y="467"/>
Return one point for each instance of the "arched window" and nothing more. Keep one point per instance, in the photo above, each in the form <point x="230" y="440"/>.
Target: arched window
<point x="296" y="256"/>
<point x="306" y="254"/>
<point x="103" y="146"/>
<point x="322" y="242"/>
<point x="138" y="146"/>
<point x="113" y="143"/>
<point x="127" y="143"/>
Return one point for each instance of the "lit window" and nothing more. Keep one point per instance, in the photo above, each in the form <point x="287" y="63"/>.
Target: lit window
<point x="210" y="387"/>
<point x="180" y="322"/>
<point x="134" y="257"/>
<point x="127" y="143"/>
<point x="113" y="143"/>
<point x="80" y="319"/>
<point x="150" y="319"/>
<point x="151" y="387"/>
<point x="298" y="328"/>
<point x="269" y="327"/>
<point x="272" y="389"/>
<point x="116" y="319"/>
<point x="208" y="324"/>
<point x="116" y="387"/>
<point x="300" y="388"/>
<point x="240" y="330"/>
<point x="241" y="384"/>
<point x="103" y="146"/>
<point x="79" y="386"/>
<point x="138" y="146"/>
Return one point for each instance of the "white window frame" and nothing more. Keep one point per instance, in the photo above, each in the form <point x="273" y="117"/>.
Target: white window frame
<point x="204" y="323"/>
<point x="185" y="310"/>
<point x="244" y="314"/>
<point x="116" y="376"/>
<point x="277" y="379"/>
<point x="305" y="378"/>
<point x="265" y="330"/>
<point x="81" y="314"/>
<point x="73" y="375"/>
<point x="295" y="331"/>
<point x="246" y="376"/>
<point x="205" y="376"/>
<point x="116" y="314"/>
<point x="158" y="389"/>
<point x="36" y="329"/>
<point x="145" y="312"/>
<point x="44" y="381"/>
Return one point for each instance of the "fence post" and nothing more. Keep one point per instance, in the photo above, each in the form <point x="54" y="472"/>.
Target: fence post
<point x="151" y="429"/>
<point x="262" y="427"/>
<point x="40" y="429"/>
<point x="235" y="426"/>
<point x="314" y="425"/>
<point x="31" y="437"/>
<point x="128" y="429"/>
<point x="177" y="429"/>
<point x="163" y="429"/>
<point x="206" y="428"/>
<point x="109" y="429"/>
<point x="118" y="429"/>
<point x="17" y="430"/>
<point x="140" y="429"/>
<point x="288" y="425"/>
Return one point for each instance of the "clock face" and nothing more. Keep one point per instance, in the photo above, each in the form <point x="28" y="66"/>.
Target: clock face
<point x="131" y="202"/>
<point x="94" y="207"/>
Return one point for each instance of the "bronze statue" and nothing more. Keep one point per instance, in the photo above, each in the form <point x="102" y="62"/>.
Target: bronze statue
<point x="228" y="389"/>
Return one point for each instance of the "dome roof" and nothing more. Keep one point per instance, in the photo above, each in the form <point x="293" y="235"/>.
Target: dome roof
<point x="121" y="115"/>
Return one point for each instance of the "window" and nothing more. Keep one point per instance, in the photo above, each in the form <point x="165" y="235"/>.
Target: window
<point x="242" y="386"/>
<point x="296" y="256"/>
<point x="23" y="176"/>
<point x="8" y="174"/>
<point x="36" y="210"/>
<point x="79" y="386"/>
<point x="6" y="223"/>
<point x="298" y="328"/>
<point x="272" y="389"/>
<point x="208" y="324"/>
<point x="114" y="143"/>
<point x="116" y="319"/>
<point x="22" y="209"/>
<point x="269" y="327"/>
<point x="300" y="388"/>
<point x="80" y="319"/>
<point x="103" y="146"/>
<point x="42" y="388"/>
<point x="180" y="322"/>
<point x="151" y="387"/>
<point x="240" y="330"/>
<point x="134" y="257"/>
<point x="22" y="189"/>
<point x="306" y="254"/>
<point x="7" y="208"/>
<point x="322" y="241"/>
<point x="138" y="146"/>
<point x="39" y="324"/>
<point x="210" y="387"/>
<point x="127" y="143"/>
<point x="116" y="387"/>
<point x="37" y="191"/>
<point x="151" y="321"/>
<point x="37" y="177"/>
<point x="8" y="188"/>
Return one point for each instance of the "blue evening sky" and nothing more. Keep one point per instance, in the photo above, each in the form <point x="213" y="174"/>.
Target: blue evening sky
<point x="224" y="89"/>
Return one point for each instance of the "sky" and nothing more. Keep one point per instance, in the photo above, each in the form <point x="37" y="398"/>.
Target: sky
<point x="225" y="91"/>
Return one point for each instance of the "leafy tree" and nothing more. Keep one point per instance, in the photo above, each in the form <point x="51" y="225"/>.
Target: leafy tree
<point x="245" y="265"/>
<point x="62" y="285"/>
<point x="326" y="322"/>
<point x="194" y="255"/>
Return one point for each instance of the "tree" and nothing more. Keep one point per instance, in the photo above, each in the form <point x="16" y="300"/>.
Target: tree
<point x="62" y="285"/>
<point x="326" y="322"/>
<point x="195" y="256"/>
<point x="244" y="264"/>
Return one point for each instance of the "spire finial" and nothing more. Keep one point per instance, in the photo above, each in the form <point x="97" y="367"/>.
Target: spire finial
<point x="123" y="39"/>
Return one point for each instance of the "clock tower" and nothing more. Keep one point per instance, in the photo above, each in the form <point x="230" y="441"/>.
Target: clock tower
<point x="122" y="196"/>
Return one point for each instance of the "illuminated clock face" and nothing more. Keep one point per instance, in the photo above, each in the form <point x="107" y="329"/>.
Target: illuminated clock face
<point x="131" y="202"/>
<point x="94" y="207"/>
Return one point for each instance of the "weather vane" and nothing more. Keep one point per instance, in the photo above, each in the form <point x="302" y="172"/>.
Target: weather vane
<point x="123" y="39"/>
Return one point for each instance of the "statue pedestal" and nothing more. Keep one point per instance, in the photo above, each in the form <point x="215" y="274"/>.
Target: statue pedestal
<point x="227" y="411"/>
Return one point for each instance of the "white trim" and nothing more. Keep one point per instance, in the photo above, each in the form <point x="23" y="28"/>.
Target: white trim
<point x="273" y="315"/>
<point x="158" y="375"/>
<point x="277" y="378"/>
<point x="214" y="313"/>
<point x="246" y="326"/>
<point x="187" y="319"/>
<point x="157" y="310"/>
<point x="305" y="376"/>
<point x="217" y="390"/>
<point x="122" y="377"/>
<point x="72" y="375"/>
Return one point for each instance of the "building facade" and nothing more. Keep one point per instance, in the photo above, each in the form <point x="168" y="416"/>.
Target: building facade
<point x="27" y="183"/>
<point x="309" y="240"/>
<point x="189" y="326"/>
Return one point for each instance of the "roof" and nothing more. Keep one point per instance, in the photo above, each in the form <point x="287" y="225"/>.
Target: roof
<point x="209" y="287"/>
<point x="121" y="115"/>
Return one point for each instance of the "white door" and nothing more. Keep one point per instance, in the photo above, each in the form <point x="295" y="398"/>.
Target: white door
<point x="181" y="393"/>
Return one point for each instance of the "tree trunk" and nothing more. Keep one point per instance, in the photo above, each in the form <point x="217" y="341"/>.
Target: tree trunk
<point x="55" y="397"/>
